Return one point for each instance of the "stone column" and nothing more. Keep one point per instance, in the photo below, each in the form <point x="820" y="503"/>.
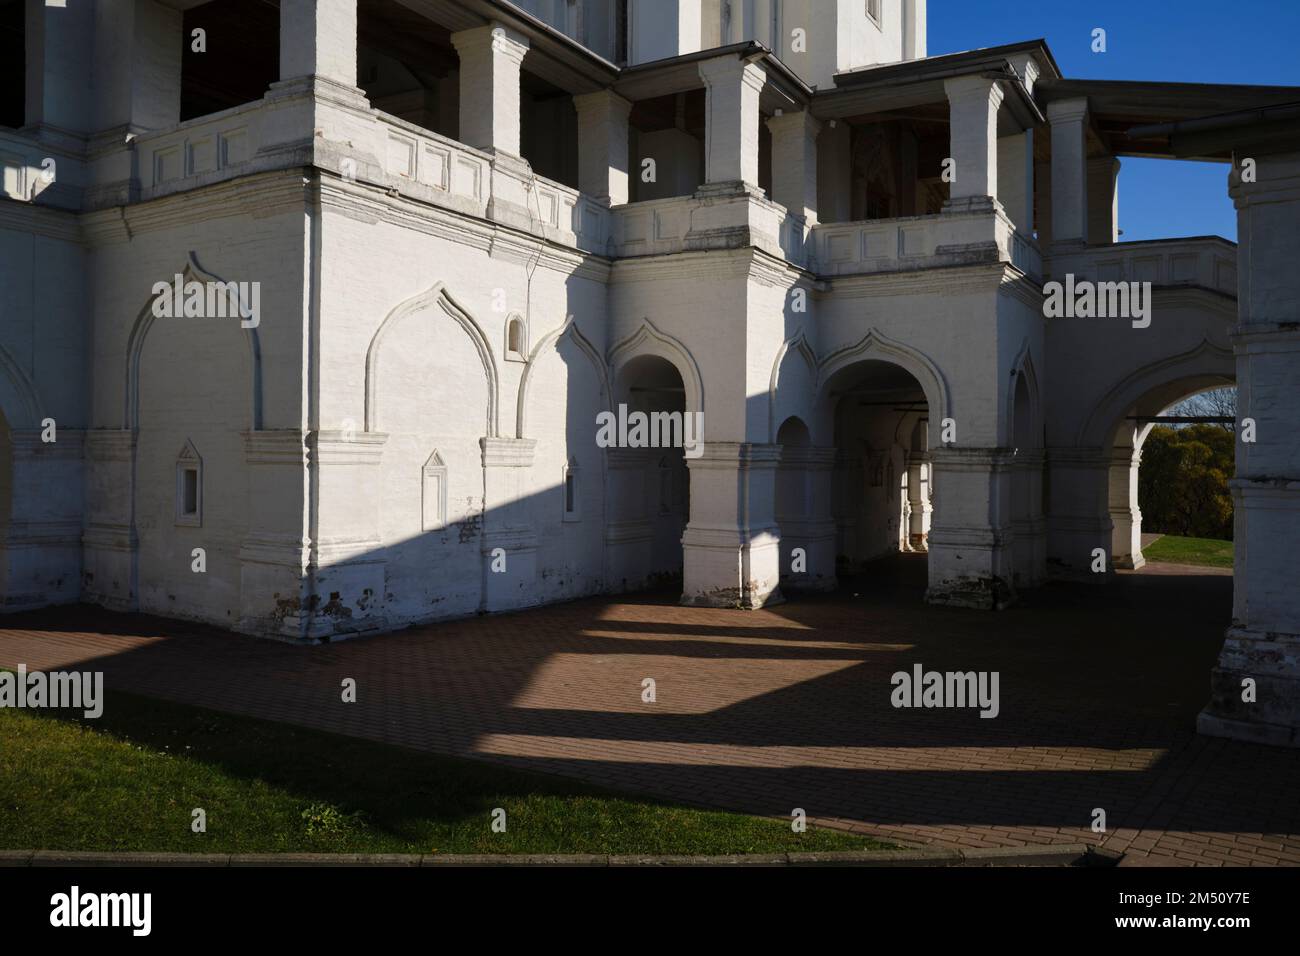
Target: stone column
<point x="507" y="525"/>
<point x="1255" y="687"/>
<point x="1103" y="200"/>
<point x="318" y="38"/>
<point x="835" y="172"/>
<point x="1125" y="516"/>
<point x="1079" y="521"/>
<point x="731" y="548"/>
<point x="732" y="88"/>
<point x="918" y="501"/>
<point x="603" y="146"/>
<point x="1016" y="179"/>
<point x="810" y="525"/>
<point x="490" y="61"/>
<point x="59" y="57"/>
<point x="794" y="163"/>
<point x="138" y="47"/>
<point x="970" y="534"/>
<point x="1069" y="119"/>
<point x="973" y="130"/>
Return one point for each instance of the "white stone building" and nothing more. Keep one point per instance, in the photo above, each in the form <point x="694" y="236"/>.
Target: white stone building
<point x="464" y="229"/>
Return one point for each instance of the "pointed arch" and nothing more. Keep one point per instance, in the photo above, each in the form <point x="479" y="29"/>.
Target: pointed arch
<point x="436" y="296"/>
<point x="144" y="321"/>
<point x="1022" y="368"/>
<point x="1207" y="362"/>
<point x="648" y="340"/>
<point x="571" y="330"/>
<point x="800" y="345"/>
<point x="878" y="347"/>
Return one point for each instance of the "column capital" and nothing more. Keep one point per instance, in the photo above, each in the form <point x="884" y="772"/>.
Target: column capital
<point x="794" y="123"/>
<point x="1067" y="111"/>
<point x="974" y="87"/>
<point x="722" y="69"/>
<point x="493" y="38"/>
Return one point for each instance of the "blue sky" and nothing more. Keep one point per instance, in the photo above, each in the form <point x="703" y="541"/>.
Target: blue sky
<point x="1190" y="41"/>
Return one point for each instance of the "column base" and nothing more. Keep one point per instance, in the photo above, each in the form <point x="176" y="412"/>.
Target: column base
<point x="1272" y="661"/>
<point x="980" y="594"/>
<point x="719" y="571"/>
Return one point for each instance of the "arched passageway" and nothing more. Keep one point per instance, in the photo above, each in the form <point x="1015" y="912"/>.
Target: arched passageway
<point x="649" y="490"/>
<point x="882" y="483"/>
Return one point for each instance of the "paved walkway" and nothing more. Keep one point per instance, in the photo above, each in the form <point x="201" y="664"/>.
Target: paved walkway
<point x="766" y="711"/>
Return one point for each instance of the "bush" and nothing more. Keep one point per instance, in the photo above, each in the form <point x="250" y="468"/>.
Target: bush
<point x="1183" y="481"/>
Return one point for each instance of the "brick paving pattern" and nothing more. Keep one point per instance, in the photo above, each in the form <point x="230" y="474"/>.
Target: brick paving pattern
<point x="765" y="711"/>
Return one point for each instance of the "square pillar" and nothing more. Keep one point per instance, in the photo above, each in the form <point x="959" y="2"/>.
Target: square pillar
<point x="970" y="545"/>
<point x="803" y="512"/>
<point x="137" y="71"/>
<point x="1069" y="119"/>
<point x="732" y="87"/>
<point x="794" y="163"/>
<point x="1125" y="515"/>
<point x="834" y="172"/>
<point x="603" y="146"/>
<point x="60" y="53"/>
<point x="973" y="130"/>
<point x="1016" y="179"/>
<point x="731" y="547"/>
<point x="490" y="60"/>
<point x="1262" y="646"/>
<point x="1103" y="201"/>
<point x="318" y="38"/>
<point x="1079" y="520"/>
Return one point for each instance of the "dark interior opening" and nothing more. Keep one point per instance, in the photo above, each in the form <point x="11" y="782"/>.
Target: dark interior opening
<point x="242" y="56"/>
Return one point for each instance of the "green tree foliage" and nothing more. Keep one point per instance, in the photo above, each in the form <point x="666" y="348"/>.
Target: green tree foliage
<point x="1183" y="481"/>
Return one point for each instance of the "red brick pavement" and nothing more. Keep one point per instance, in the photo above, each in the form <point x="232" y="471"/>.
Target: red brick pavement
<point x="765" y="711"/>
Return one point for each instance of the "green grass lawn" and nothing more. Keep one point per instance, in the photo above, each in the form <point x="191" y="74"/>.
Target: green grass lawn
<point x="1203" y="551"/>
<point x="129" y="781"/>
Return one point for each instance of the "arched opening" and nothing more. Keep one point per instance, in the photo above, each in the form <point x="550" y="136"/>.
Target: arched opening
<point x="882" y="489"/>
<point x="1185" y="485"/>
<point x="649" y="480"/>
